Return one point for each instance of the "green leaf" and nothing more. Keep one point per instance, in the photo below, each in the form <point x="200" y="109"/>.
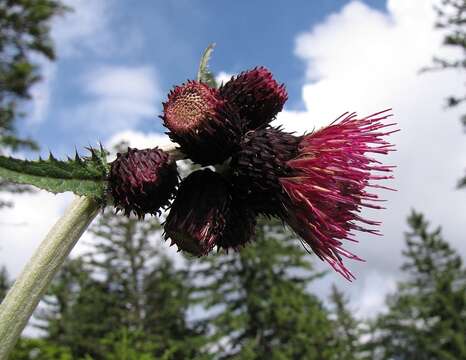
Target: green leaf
<point x="81" y="175"/>
<point x="204" y="74"/>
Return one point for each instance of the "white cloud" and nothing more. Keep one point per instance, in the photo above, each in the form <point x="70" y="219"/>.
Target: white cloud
<point x="365" y="60"/>
<point x="120" y="97"/>
<point x="23" y="226"/>
<point x="223" y="77"/>
<point x="84" y="28"/>
<point x="119" y="82"/>
<point x="41" y="93"/>
<point x="373" y="290"/>
<point x="140" y="140"/>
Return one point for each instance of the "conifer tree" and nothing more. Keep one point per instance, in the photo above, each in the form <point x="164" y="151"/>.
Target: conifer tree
<point x="123" y="254"/>
<point x="427" y="314"/>
<point x="79" y="311"/>
<point x="4" y="282"/>
<point x="156" y="295"/>
<point x="39" y="349"/>
<point x="258" y="307"/>
<point x="124" y="293"/>
<point x="451" y="20"/>
<point x="24" y="34"/>
<point x="168" y="300"/>
<point x="347" y="329"/>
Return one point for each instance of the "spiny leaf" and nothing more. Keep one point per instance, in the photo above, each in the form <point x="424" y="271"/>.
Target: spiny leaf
<point x="204" y="74"/>
<point x="81" y="175"/>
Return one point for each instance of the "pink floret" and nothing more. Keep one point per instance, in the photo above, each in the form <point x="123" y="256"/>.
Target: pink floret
<point x="328" y="189"/>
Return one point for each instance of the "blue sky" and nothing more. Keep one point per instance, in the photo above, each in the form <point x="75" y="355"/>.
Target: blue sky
<point x="169" y="36"/>
<point x="118" y="59"/>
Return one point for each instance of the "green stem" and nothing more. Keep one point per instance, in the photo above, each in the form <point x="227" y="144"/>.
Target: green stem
<point x="26" y="292"/>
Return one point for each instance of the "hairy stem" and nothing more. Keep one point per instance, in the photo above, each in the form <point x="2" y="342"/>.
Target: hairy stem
<point x="23" y="297"/>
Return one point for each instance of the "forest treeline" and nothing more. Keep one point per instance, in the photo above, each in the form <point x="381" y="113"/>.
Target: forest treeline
<point x="127" y="298"/>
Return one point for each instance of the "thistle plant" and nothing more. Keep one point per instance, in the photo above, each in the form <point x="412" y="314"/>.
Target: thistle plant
<point x="315" y="183"/>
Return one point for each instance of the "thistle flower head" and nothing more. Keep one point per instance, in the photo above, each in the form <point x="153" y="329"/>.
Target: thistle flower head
<point x="258" y="97"/>
<point x="316" y="183"/>
<point x="201" y="122"/>
<point x="204" y="215"/>
<point x="328" y="187"/>
<point x="142" y="181"/>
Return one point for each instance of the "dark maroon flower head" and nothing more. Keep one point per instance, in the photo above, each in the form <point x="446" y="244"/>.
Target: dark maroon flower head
<point x="258" y="166"/>
<point x="201" y="122"/>
<point x="142" y="181"/>
<point x="199" y="213"/>
<point x="257" y="95"/>
<point x="329" y="181"/>
<point x="240" y="227"/>
<point x="204" y="214"/>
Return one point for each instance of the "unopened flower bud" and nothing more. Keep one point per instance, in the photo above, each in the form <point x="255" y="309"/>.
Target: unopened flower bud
<point x="142" y="181"/>
<point x="205" y="214"/>
<point x="257" y="95"/>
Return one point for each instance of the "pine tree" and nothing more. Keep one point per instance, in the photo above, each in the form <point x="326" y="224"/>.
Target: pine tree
<point x="24" y="34"/>
<point x="39" y="349"/>
<point x="168" y="294"/>
<point x="125" y="293"/>
<point x="427" y="314"/>
<point x="4" y="282"/>
<point x="79" y="311"/>
<point x="451" y="20"/>
<point x="156" y="295"/>
<point x="347" y="329"/>
<point x="123" y="254"/>
<point x="257" y="304"/>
